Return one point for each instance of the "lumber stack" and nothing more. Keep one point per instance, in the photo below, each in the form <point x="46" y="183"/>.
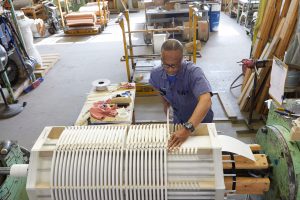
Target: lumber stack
<point x="274" y="34"/>
<point x="81" y="19"/>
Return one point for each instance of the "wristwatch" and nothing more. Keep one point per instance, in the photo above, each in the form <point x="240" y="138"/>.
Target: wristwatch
<point x="189" y="126"/>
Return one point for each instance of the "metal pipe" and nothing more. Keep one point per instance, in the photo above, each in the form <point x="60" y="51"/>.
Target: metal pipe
<point x="4" y="170"/>
<point x="190" y="21"/>
<point x="99" y="7"/>
<point x="103" y="8"/>
<point x="67" y="7"/>
<point x="195" y="20"/>
<point x="121" y="23"/>
<point x="157" y="30"/>
<point x="5" y="147"/>
<point x="129" y="36"/>
<point x="61" y="13"/>
<point x="12" y="10"/>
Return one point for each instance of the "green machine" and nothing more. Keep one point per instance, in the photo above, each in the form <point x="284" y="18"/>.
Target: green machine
<point x="283" y="153"/>
<point x="12" y="188"/>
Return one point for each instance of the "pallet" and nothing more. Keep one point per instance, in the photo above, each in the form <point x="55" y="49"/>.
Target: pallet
<point x="82" y="31"/>
<point x="49" y="60"/>
<point x="34" y="12"/>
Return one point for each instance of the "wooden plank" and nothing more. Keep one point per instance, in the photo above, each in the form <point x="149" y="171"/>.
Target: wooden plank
<point x="263" y="33"/>
<point x="245" y="104"/>
<point x="50" y="54"/>
<point x="276" y="18"/>
<point x="250" y="79"/>
<point x="230" y="113"/>
<point x="285" y="8"/>
<point x="246" y="96"/>
<point x="18" y="90"/>
<point x="248" y="185"/>
<point x="287" y="29"/>
<point x="263" y="96"/>
<point x="260" y="41"/>
<point x="246" y="78"/>
<point x="261" y="162"/>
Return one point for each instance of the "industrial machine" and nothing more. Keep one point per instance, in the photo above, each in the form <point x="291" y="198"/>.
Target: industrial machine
<point x="280" y="140"/>
<point x="133" y="162"/>
<point x="53" y="18"/>
<point x="12" y="188"/>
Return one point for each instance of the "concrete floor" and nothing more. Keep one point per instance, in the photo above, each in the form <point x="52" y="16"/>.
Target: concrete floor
<point x="59" y="99"/>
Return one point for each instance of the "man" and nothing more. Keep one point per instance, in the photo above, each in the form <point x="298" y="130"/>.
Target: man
<point x="184" y="87"/>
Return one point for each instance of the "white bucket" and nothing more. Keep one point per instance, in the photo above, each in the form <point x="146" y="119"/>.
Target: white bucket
<point x="215" y="7"/>
<point x="158" y="40"/>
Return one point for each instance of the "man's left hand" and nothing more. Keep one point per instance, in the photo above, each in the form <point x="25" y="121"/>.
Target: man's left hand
<point x="178" y="138"/>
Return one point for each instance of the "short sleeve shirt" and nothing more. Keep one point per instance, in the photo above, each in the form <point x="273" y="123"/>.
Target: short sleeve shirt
<point x="183" y="94"/>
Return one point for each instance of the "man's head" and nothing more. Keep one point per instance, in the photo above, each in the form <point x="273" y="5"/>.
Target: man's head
<point x="171" y="56"/>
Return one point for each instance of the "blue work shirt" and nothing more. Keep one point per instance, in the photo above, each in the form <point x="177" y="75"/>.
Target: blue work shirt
<point x="183" y="93"/>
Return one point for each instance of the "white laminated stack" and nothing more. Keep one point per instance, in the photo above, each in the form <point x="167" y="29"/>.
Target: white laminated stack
<point x="120" y="162"/>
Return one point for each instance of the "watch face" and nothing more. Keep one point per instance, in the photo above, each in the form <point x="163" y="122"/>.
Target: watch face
<point x="189" y="126"/>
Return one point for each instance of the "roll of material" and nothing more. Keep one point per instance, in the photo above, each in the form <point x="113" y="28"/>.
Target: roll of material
<point x="19" y="170"/>
<point x="101" y="84"/>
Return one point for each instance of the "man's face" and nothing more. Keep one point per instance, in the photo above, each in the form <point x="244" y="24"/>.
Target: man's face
<point x="171" y="61"/>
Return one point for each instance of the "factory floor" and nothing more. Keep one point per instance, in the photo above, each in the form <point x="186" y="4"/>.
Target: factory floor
<point x="59" y="99"/>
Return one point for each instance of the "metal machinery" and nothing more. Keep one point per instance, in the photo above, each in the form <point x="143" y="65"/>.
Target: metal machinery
<point x="52" y="17"/>
<point x="132" y="162"/>
<point x="12" y="188"/>
<point x="278" y="141"/>
<point x="157" y="17"/>
<point x="141" y="65"/>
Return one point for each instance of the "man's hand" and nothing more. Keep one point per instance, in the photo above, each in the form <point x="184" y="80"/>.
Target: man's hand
<point x="178" y="138"/>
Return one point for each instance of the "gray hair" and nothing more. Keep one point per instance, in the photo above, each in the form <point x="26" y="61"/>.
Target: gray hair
<point x="172" y="45"/>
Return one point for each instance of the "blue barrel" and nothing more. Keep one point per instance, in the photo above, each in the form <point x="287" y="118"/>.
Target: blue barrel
<point x="214" y="16"/>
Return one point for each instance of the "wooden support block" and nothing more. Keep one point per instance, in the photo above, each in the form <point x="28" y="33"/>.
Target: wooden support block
<point x="255" y="147"/>
<point x="261" y="162"/>
<point x="230" y="113"/>
<point x="248" y="185"/>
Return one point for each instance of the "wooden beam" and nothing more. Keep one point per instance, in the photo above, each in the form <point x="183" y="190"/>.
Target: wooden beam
<point x="263" y="33"/>
<point x="248" y="185"/>
<point x="276" y="18"/>
<point x="263" y="95"/>
<point x="285" y="8"/>
<point x="287" y="29"/>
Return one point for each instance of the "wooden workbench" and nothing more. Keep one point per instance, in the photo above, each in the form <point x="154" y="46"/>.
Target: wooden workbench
<point x="95" y="96"/>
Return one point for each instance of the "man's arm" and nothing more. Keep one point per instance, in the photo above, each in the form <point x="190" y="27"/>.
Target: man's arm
<point x="203" y="106"/>
<point x="165" y="103"/>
